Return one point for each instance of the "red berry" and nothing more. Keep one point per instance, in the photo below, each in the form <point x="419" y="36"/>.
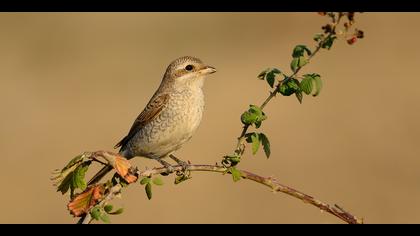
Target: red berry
<point x="352" y="40"/>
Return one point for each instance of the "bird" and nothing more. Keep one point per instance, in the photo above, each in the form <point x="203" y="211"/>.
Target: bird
<point x="170" y="118"/>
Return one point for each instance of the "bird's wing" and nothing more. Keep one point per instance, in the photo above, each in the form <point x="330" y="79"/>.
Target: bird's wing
<point x="152" y="109"/>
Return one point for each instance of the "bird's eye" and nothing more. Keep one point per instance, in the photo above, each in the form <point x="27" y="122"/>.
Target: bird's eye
<point x="189" y="67"/>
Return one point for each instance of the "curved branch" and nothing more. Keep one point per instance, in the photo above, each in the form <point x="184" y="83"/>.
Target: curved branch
<point x="274" y="185"/>
<point x="270" y="182"/>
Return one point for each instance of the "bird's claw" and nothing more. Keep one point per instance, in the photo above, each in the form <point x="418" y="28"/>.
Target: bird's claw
<point x="169" y="169"/>
<point x="184" y="165"/>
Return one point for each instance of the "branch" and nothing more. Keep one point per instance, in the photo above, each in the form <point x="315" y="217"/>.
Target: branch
<point x="270" y="182"/>
<point x="240" y="147"/>
<point x="86" y="204"/>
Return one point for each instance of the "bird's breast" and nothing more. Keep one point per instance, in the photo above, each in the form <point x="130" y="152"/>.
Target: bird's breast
<point x="175" y="125"/>
<point x="185" y="110"/>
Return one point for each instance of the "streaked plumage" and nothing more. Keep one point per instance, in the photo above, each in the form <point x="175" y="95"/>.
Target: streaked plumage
<point x="172" y="115"/>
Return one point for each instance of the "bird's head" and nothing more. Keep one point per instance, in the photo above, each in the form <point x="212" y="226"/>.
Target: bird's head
<point x="187" y="71"/>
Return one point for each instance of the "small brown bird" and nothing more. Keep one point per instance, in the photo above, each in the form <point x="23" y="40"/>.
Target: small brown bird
<point x="170" y="118"/>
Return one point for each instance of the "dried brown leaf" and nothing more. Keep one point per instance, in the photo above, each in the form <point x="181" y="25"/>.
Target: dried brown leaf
<point x="123" y="168"/>
<point x="84" y="201"/>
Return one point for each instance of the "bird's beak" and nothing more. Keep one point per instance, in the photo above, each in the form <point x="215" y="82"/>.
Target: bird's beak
<point x="208" y="70"/>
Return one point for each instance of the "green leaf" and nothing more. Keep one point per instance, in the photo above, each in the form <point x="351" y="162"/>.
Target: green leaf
<point x="269" y="75"/>
<point x="294" y="84"/>
<point x="328" y="42"/>
<point x="74" y="179"/>
<point x="266" y="144"/>
<point x="117" y="212"/>
<point x="308" y="51"/>
<point x="236" y="174"/>
<point x="299" y="96"/>
<point x="73" y="162"/>
<point x="318" y="84"/>
<point x="302" y="61"/>
<point x="275" y="71"/>
<point x="289" y="87"/>
<point x="260" y="115"/>
<point x="105" y="218"/>
<point x="318" y="37"/>
<point x="300" y="50"/>
<point x="285" y="90"/>
<point x="248" y="118"/>
<point x="158" y="181"/>
<point x="255" y="110"/>
<point x="78" y="180"/>
<point x="299" y="58"/>
<point x="231" y="159"/>
<point x="255" y="143"/>
<point x="298" y="62"/>
<point x="294" y="64"/>
<point x="148" y="189"/>
<point x="95" y="212"/>
<point x="65" y="183"/>
<point x="145" y="180"/>
<point x="261" y="76"/>
<point x="248" y="137"/>
<point x="306" y="84"/>
<point x="270" y="79"/>
<point x="254" y="115"/>
<point x="182" y="178"/>
<point x="108" y="208"/>
<point x="72" y="175"/>
<point x="235" y="160"/>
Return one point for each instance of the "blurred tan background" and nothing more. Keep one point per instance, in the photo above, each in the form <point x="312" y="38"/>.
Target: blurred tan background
<point x="74" y="82"/>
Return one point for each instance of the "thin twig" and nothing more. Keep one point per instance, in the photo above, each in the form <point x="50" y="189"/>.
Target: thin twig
<point x="240" y="147"/>
<point x="270" y="182"/>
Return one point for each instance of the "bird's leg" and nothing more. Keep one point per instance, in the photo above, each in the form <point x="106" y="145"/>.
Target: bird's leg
<point x="169" y="168"/>
<point x="183" y="174"/>
<point x="180" y="162"/>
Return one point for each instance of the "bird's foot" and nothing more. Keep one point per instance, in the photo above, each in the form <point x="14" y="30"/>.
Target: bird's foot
<point x="184" y="173"/>
<point x="182" y="163"/>
<point x="169" y="168"/>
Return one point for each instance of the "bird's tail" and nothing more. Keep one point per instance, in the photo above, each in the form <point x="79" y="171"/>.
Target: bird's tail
<point x="96" y="178"/>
